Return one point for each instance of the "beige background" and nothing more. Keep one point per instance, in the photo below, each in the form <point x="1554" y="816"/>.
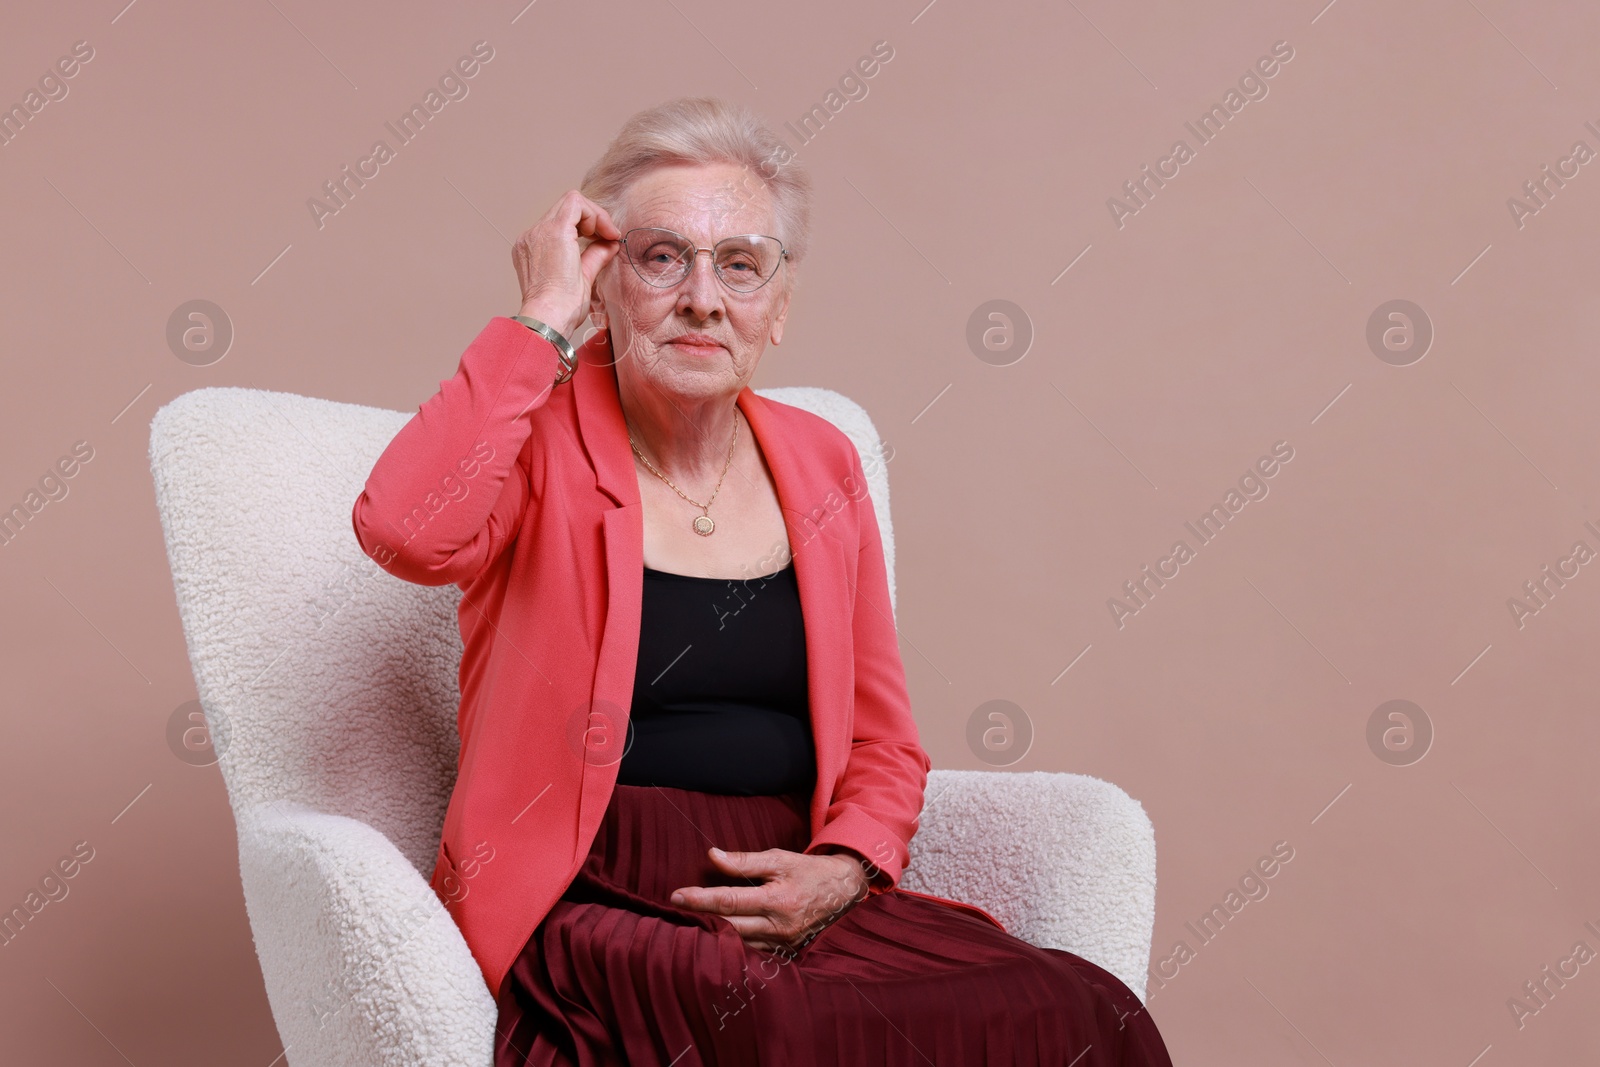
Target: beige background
<point x="1228" y="314"/>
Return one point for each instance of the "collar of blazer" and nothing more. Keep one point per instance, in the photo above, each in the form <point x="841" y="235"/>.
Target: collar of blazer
<point x="802" y="485"/>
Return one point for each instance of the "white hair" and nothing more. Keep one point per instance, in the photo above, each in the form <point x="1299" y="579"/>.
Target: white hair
<point x="704" y="130"/>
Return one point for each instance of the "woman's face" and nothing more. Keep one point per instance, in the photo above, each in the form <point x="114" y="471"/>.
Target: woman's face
<point x="705" y="204"/>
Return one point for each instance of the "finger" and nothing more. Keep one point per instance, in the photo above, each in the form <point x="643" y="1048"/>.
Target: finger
<point x="566" y="215"/>
<point x="559" y="209"/>
<point x="759" y="931"/>
<point x="767" y="864"/>
<point x="607" y="226"/>
<point x="721" y="900"/>
<point x="595" y="257"/>
<point x="604" y="225"/>
<point x="594" y="221"/>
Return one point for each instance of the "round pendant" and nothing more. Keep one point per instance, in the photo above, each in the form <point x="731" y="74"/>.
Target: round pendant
<point x="703" y="525"/>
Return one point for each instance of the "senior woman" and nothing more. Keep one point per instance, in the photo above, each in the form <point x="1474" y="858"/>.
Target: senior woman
<point x="689" y="773"/>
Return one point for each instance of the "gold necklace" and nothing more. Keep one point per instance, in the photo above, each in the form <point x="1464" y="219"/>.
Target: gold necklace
<point x="703" y="524"/>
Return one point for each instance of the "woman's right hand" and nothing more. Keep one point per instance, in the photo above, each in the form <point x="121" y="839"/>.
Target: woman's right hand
<point x="556" y="279"/>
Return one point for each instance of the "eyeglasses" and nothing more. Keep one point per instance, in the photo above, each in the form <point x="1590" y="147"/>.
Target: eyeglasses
<point x="663" y="258"/>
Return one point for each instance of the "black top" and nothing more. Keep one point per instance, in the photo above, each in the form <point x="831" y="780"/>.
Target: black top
<point x="720" y="702"/>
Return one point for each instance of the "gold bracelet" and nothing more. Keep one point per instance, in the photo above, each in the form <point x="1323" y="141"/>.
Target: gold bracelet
<point x="569" y="358"/>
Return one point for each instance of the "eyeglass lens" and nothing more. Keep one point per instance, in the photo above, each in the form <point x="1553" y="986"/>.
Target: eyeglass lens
<point x="664" y="258"/>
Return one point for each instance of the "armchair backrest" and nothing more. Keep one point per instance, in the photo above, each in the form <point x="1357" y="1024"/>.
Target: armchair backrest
<point x="325" y="680"/>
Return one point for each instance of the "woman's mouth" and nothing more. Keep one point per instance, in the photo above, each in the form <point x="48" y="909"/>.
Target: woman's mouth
<point x="697" y="344"/>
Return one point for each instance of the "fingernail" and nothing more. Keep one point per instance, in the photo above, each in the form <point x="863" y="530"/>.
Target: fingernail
<point x="677" y="898"/>
<point x="718" y="852"/>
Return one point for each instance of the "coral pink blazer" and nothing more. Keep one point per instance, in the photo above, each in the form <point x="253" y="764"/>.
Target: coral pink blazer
<point x="525" y="495"/>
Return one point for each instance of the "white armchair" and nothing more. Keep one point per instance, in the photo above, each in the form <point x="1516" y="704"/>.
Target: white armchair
<point x="330" y="691"/>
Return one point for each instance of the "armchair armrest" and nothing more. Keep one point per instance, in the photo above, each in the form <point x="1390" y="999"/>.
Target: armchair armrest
<point x="363" y="965"/>
<point x="1062" y="860"/>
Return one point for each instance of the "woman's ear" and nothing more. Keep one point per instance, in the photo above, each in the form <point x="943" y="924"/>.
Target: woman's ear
<point x="778" y="319"/>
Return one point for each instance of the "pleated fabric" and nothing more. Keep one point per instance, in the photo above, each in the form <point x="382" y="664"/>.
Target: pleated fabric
<point x="614" y="974"/>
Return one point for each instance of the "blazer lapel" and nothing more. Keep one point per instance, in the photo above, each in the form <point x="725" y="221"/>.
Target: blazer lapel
<point x="604" y="435"/>
<point x="820" y="573"/>
<point x="600" y="424"/>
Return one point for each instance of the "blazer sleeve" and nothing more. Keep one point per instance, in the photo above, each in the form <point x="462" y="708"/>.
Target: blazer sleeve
<point x="877" y="801"/>
<point x="448" y="493"/>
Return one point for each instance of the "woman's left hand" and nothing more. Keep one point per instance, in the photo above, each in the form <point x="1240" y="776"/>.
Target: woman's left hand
<point x="800" y="895"/>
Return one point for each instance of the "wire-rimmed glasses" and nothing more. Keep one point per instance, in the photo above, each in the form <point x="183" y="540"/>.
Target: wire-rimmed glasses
<point x="663" y="258"/>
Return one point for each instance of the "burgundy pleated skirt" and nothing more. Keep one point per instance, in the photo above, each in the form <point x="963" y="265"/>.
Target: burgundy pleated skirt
<point x="615" y="974"/>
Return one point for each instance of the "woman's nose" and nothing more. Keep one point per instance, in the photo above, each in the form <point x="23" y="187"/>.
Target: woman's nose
<point x="701" y="288"/>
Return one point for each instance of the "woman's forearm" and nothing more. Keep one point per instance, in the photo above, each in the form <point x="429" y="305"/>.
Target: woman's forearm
<point x="447" y="495"/>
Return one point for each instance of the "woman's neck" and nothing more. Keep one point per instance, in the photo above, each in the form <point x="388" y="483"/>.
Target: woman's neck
<point x="687" y="441"/>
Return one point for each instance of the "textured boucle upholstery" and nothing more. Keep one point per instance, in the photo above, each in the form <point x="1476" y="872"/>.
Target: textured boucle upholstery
<point x="331" y="691"/>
